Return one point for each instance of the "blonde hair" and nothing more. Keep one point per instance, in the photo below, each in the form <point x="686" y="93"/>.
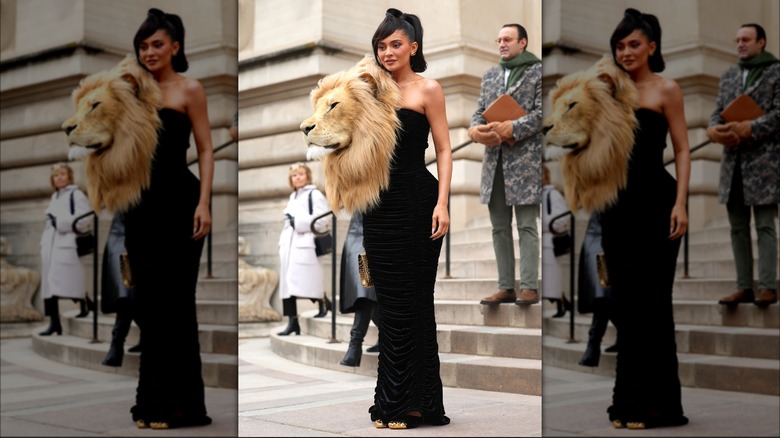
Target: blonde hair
<point x="58" y="166"/>
<point x="294" y="169"/>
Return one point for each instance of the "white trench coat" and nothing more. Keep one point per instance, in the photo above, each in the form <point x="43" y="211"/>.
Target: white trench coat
<point x="62" y="273"/>
<point x="552" y="283"/>
<point x="301" y="271"/>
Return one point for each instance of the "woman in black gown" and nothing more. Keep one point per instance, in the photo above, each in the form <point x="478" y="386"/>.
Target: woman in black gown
<point x="402" y="236"/>
<point x="170" y="223"/>
<point x="641" y="237"/>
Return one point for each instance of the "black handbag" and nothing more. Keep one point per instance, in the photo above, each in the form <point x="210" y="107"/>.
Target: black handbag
<point x="323" y="243"/>
<point x="561" y="242"/>
<point x="85" y="243"/>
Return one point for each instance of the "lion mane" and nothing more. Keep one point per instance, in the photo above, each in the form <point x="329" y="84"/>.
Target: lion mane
<point x="353" y="132"/>
<point x="114" y="130"/>
<point x="591" y="128"/>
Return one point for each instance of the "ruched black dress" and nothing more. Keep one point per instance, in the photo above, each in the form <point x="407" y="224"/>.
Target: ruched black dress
<point x="403" y="259"/>
<point x="164" y="260"/>
<point x="641" y="260"/>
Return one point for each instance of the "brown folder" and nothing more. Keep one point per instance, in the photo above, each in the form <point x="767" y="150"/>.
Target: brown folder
<point x="742" y="108"/>
<point x="504" y="108"/>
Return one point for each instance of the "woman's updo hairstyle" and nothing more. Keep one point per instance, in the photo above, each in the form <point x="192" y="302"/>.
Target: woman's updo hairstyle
<point x="173" y="26"/>
<point x="410" y="25"/>
<point x="648" y="24"/>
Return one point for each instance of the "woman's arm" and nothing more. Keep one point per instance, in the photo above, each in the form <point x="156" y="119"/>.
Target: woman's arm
<point x="436" y="112"/>
<point x="201" y="128"/>
<point x="675" y="115"/>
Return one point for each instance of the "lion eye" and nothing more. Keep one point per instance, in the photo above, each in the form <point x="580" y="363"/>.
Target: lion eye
<point x="95" y="105"/>
<point x="571" y="105"/>
<point x="333" y="105"/>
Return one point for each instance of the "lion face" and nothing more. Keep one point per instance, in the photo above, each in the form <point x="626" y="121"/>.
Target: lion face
<point x="591" y="130"/>
<point x="569" y="124"/>
<point x="92" y="126"/>
<point x="353" y="132"/>
<point x="335" y="111"/>
<point x="114" y="129"/>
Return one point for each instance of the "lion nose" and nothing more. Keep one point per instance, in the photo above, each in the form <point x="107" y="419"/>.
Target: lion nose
<point x="547" y="129"/>
<point x="69" y="129"/>
<point x="307" y="129"/>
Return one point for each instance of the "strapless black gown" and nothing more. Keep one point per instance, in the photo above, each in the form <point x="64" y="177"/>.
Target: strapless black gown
<point x="642" y="261"/>
<point x="403" y="260"/>
<point x="164" y="260"/>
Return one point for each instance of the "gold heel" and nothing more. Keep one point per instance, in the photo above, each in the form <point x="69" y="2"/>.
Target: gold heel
<point x="636" y="425"/>
<point x="159" y="425"/>
<point x="617" y="424"/>
<point x="379" y="424"/>
<point x="141" y="424"/>
<point x="397" y="425"/>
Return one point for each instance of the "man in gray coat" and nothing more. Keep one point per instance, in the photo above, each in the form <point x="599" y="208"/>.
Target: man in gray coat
<point x="750" y="165"/>
<point x="512" y="163"/>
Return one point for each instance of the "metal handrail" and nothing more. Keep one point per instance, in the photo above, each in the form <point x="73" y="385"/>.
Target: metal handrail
<point x="571" y="268"/>
<point x="447" y="244"/>
<point x="333" y="271"/>
<point x="209" y="250"/>
<point x="94" y="269"/>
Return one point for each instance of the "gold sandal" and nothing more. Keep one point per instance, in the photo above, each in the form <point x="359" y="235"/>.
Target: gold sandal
<point x="141" y="424"/>
<point x="380" y="424"/>
<point x="636" y="425"/>
<point x="617" y="424"/>
<point x="159" y="425"/>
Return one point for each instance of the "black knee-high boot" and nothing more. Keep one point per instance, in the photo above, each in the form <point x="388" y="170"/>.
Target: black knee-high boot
<point x="363" y="309"/>
<point x="290" y="309"/>
<point x="116" y="351"/>
<point x="51" y="308"/>
<point x="598" y="326"/>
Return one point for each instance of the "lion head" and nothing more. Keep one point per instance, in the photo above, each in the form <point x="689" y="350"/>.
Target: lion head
<point x="591" y="130"/>
<point x="353" y="132"/>
<point x="114" y="129"/>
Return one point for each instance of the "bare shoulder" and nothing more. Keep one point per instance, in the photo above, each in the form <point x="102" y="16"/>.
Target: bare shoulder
<point x="670" y="88"/>
<point x="192" y="86"/>
<point x="431" y="89"/>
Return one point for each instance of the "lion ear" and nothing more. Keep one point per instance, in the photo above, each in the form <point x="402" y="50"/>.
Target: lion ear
<point x="371" y="81"/>
<point x="132" y="80"/>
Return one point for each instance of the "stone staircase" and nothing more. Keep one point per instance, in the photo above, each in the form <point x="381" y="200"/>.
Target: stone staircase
<point x="217" y="323"/>
<point x="492" y="348"/>
<point x="731" y="349"/>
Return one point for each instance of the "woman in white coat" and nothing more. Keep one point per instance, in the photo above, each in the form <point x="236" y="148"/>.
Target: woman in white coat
<point x="553" y="204"/>
<point x="301" y="274"/>
<point x="62" y="275"/>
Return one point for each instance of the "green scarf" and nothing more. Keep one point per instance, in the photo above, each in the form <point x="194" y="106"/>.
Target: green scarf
<point x="518" y="64"/>
<point x="756" y="65"/>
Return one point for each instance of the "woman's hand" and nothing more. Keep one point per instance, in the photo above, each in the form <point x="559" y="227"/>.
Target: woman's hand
<point x="679" y="222"/>
<point x="441" y="221"/>
<point x="202" y="221"/>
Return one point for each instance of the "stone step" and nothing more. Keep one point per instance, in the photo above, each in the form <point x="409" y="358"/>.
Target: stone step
<point x="218" y="289"/>
<point x="501" y="374"/>
<point x="703" y="289"/>
<point x="521" y="343"/>
<point x="220" y="339"/>
<point x="714" y="314"/>
<point x="715" y="268"/>
<point x="466" y="289"/>
<point x="501" y="315"/>
<point x="759" y="343"/>
<point x="474" y="268"/>
<point x="218" y="370"/>
<point x="724" y="373"/>
<point x="217" y="312"/>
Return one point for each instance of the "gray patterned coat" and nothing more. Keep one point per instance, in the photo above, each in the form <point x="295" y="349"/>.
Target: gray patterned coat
<point x="760" y="162"/>
<point x="521" y="161"/>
